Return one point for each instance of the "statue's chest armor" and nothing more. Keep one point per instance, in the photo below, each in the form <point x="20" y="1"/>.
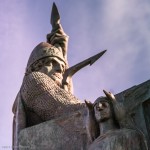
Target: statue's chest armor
<point x="43" y="97"/>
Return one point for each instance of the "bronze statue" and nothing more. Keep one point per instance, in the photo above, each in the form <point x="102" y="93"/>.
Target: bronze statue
<point x="47" y="94"/>
<point x="46" y="91"/>
<point x="107" y="128"/>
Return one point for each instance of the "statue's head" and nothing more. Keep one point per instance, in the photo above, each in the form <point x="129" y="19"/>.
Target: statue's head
<point x="47" y="59"/>
<point x="103" y="109"/>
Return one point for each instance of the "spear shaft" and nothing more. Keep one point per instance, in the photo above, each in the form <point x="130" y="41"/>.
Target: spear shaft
<point x="72" y="70"/>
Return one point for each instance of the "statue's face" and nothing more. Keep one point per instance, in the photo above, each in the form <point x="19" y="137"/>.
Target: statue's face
<point x="102" y="111"/>
<point x="53" y="67"/>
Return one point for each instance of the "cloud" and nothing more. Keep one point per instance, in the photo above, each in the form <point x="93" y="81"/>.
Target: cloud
<point x="123" y="28"/>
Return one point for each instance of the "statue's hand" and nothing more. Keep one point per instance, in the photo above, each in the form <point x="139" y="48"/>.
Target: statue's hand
<point x="58" y="38"/>
<point x="89" y="105"/>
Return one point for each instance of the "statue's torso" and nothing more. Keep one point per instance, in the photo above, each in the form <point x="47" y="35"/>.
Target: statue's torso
<point x="44" y="100"/>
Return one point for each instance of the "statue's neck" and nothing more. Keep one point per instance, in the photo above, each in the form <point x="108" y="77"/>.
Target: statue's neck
<point x="106" y="126"/>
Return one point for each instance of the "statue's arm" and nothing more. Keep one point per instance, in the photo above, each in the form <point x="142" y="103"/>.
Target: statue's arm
<point x="57" y="37"/>
<point x="92" y="126"/>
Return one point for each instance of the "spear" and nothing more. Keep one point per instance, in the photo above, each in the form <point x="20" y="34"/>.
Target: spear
<point x="55" y="22"/>
<point x="72" y="70"/>
<point x="55" y="17"/>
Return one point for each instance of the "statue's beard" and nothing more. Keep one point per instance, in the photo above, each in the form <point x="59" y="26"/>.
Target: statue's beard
<point x="57" y="79"/>
<point x="58" y="83"/>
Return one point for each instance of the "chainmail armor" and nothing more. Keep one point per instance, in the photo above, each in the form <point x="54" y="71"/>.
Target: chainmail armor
<point x="42" y="96"/>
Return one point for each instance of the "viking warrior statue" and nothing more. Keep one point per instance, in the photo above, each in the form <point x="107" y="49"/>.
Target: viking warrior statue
<point x="42" y="95"/>
<point x="46" y="91"/>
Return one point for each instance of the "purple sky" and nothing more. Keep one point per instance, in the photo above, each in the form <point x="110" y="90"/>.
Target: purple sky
<point x="121" y="27"/>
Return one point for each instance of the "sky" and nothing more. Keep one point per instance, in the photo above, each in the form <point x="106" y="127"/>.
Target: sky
<point x="120" y="26"/>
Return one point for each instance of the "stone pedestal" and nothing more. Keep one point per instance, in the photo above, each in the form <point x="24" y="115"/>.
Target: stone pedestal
<point x="65" y="133"/>
<point x="69" y="133"/>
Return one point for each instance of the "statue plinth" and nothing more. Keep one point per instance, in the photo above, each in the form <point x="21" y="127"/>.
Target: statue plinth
<point x="67" y="132"/>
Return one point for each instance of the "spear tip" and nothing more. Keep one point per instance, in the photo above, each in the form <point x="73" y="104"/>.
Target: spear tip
<point x="55" y="17"/>
<point x="96" y="57"/>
